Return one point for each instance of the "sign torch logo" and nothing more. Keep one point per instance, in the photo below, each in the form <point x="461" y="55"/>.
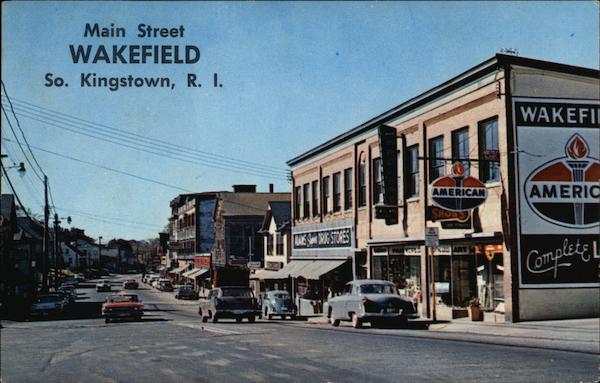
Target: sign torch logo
<point x="566" y="191"/>
<point x="457" y="192"/>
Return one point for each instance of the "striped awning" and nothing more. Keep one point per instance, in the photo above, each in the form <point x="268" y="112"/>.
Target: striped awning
<point x="194" y="273"/>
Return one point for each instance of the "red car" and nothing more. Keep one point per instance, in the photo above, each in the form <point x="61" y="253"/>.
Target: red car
<point x="122" y="306"/>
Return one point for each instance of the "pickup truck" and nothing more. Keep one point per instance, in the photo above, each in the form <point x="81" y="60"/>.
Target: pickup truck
<point x="229" y="302"/>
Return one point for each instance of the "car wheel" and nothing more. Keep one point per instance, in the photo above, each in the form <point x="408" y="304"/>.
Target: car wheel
<point x="252" y="319"/>
<point x="334" y="322"/>
<point x="356" y="322"/>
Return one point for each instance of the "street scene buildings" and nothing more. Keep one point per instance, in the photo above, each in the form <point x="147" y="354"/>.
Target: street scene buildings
<point x="452" y="236"/>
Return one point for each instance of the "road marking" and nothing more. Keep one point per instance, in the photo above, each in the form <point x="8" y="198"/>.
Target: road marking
<point x="216" y="330"/>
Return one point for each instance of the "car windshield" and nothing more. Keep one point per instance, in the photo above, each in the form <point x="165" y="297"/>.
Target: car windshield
<point x="47" y="299"/>
<point x="123" y="298"/>
<point x="378" y="289"/>
<point x="245" y="293"/>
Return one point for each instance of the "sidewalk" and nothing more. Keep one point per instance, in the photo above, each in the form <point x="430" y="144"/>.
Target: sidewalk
<point x="579" y="335"/>
<point x="582" y="333"/>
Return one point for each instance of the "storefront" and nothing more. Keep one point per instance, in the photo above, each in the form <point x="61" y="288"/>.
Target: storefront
<point x="400" y="264"/>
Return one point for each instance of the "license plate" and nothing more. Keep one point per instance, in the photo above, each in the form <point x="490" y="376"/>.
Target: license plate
<point x="391" y="310"/>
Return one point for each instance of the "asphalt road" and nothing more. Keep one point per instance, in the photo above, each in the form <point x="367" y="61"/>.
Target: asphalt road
<point x="171" y="344"/>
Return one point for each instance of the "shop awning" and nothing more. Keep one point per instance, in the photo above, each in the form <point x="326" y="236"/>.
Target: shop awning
<point x="309" y="269"/>
<point x="192" y="274"/>
<point x="177" y="270"/>
<point x="265" y="274"/>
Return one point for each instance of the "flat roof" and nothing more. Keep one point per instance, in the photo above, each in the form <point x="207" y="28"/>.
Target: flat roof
<point x="492" y="64"/>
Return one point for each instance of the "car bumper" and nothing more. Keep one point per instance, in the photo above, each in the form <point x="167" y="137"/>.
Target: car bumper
<point x="128" y="314"/>
<point x="237" y="313"/>
<point x="382" y="315"/>
<point x="43" y="313"/>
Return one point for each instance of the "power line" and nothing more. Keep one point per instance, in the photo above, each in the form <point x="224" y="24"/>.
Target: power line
<point x="161" y="152"/>
<point x="108" y="219"/>
<point x="20" y="146"/>
<point x="106" y="168"/>
<point x="49" y="113"/>
<point x="19" y="126"/>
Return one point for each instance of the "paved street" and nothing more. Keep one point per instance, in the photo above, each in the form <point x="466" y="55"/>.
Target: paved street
<point x="171" y="344"/>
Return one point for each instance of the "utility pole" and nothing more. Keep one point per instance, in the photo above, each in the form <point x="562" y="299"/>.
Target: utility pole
<point x="46" y="258"/>
<point x="100" y="250"/>
<point x="56" y="222"/>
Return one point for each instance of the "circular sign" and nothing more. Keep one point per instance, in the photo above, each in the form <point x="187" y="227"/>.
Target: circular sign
<point x="457" y="192"/>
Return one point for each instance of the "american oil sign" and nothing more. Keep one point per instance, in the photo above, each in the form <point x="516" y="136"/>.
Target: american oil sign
<point x="457" y="191"/>
<point x="559" y="191"/>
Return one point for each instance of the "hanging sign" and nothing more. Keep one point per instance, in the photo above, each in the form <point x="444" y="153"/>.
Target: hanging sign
<point x="457" y="192"/>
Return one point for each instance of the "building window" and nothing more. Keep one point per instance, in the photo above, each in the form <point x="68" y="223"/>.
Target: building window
<point x="436" y="155"/>
<point x="269" y="244"/>
<point x="337" y="195"/>
<point x="460" y="148"/>
<point x="412" y="170"/>
<point x="305" y="201"/>
<point x="377" y="181"/>
<point x="278" y="244"/>
<point x="297" y="200"/>
<point x="348" y="189"/>
<point x="326" y="196"/>
<point x="315" y="198"/>
<point x="362" y="184"/>
<point x="489" y="150"/>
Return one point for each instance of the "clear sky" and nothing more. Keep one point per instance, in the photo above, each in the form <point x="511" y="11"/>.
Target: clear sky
<point x="293" y="75"/>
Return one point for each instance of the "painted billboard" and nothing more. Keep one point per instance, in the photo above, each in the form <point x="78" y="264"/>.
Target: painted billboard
<point x="558" y="184"/>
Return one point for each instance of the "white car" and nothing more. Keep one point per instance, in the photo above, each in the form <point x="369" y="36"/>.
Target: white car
<point x="103" y="285"/>
<point x="47" y="305"/>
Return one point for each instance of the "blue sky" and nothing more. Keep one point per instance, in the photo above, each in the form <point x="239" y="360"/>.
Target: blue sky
<point x="293" y="74"/>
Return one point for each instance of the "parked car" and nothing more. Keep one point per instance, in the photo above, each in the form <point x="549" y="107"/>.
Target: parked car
<point x="229" y="302"/>
<point x="64" y="295"/>
<point x="71" y="290"/>
<point x="185" y="292"/>
<point x="72" y="281"/>
<point x="156" y="283"/>
<point x="278" y="302"/>
<point x="47" y="305"/>
<point x="130" y="284"/>
<point x="103" y="285"/>
<point x="370" y="300"/>
<point x="79" y="278"/>
<point x="165" y="286"/>
<point x="119" y="306"/>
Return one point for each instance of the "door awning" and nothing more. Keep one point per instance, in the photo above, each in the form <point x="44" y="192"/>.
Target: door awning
<point x="308" y="269"/>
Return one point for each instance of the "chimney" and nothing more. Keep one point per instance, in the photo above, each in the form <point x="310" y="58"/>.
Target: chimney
<point x="244" y="188"/>
<point x="271" y="188"/>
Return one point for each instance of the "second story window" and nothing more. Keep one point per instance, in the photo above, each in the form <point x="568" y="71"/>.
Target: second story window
<point x="362" y="185"/>
<point x="337" y="196"/>
<point x="348" y="189"/>
<point x="412" y="169"/>
<point x="315" y="198"/>
<point x="460" y="148"/>
<point x="305" y="202"/>
<point x="297" y="202"/>
<point x="436" y="155"/>
<point x="326" y="196"/>
<point x="278" y="244"/>
<point x="489" y="171"/>
<point x="377" y="181"/>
